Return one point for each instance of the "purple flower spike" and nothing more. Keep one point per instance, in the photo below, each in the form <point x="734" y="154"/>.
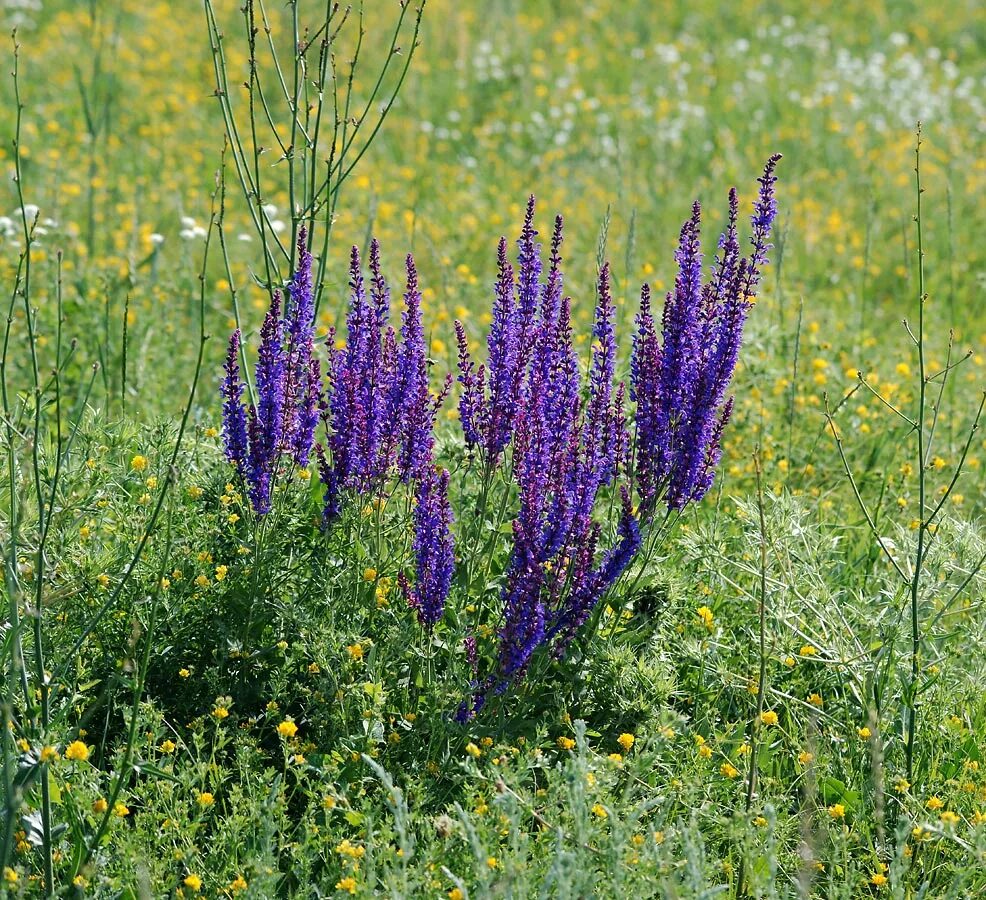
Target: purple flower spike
<point x="434" y="549"/>
<point x="288" y="386"/>
<point x="679" y="385"/>
<point x="234" y="413"/>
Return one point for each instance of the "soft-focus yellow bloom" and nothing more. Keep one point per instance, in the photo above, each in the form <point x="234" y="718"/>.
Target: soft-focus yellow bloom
<point x="287" y="728"/>
<point x="77" y="750"/>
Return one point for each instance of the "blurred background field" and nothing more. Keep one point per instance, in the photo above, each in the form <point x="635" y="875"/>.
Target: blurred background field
<point x="635" y="108"/>
<point x="609" y="113"/>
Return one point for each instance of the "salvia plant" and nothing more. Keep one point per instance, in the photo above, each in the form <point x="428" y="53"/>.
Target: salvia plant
<point x="595" y="470"/>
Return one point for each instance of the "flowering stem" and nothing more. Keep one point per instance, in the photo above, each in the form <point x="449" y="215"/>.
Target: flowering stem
<point x="922" y="480"/>
<point x="762" y="676"/>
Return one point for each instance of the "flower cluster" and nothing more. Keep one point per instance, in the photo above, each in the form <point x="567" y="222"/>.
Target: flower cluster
<point x="380" y="413"/>
<point x="570" y="444"/>
<point x="281" y="422"/>
<point x="679" y="381"/>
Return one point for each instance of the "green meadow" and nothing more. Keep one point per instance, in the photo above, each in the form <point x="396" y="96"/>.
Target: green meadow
<point x="778" y="693"/>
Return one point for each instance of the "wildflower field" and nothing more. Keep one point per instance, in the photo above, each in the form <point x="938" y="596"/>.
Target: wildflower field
<point x="493" y="449"/>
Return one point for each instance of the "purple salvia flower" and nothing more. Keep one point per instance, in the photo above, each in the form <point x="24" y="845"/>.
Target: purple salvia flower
<point x="469" y="645"/>
<point x="412" y="401"/>
<point x="472" y="392"/>
<point x="503" y="360"/>
<point x="266" y="426"/>
<point x="528" y="285"/>
<point x="524" y="613"/>
<point x="713" y="452"/>
<point x="679" y="386"/>
<point x="234" y="412"/>
<point x="600" y="427"/>
<point x="308" y="412"/>
<point x="331" y="507"/>
<point x="764" y="213"/>
<point x="299" y="318"/>
<point x="434" y="550"/>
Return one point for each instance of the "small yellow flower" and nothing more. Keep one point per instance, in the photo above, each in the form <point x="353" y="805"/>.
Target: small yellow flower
<point x="167" y="747"/>
<point x="816" y="700"/>
<point x="706" y="617"/>
<point x="456" y="894"/>
<point x="705" y="751"/>
<point x="211" y="431"/>
<point x="902" y="786"/>
<point x="935" y="803"/>
<point x="369" y="574"/>
<point x="599" y="811"/>
<point x="103" y="580"/>
<point x="348" y="848"/>
<point x="287" y="728"/>
<point x="878" y="879"/>
<point x="492" y="862"/>
<point x="183" y="673"/>
<point x="808" y="650"/>
<point x="221" y="572"/>
<point x="77" y="750"/>
<point x="473" y="750"/>
<point x="790" y="662"/>
<point x="193" y="882"/>
<point x="949" y="819"/>
<point x="121" y="810"/>
<point x="565" y="743"/>
<point x="625" y="740"/>
<point x="355" y="651"/>
<point x="347" y="884"/>
<point x="99" y="806"/>
<point x="837" y="811"/>
<point x="728" y="770"/>
<point x="864" y="733"/>
<point x="138" y="463"/>
<point x="49" y="754"/>
<point x="206" y="799"/>
<point x="615" y="758"/>
<point x="804" y="757"/>
<point x="10" y="875"/>
<point x="658" y="837"/>
<point x="239" y="883"/>
<point x="195" y="492"/>
<point x="768" y="717"/>
<point x="220" y="713"/>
